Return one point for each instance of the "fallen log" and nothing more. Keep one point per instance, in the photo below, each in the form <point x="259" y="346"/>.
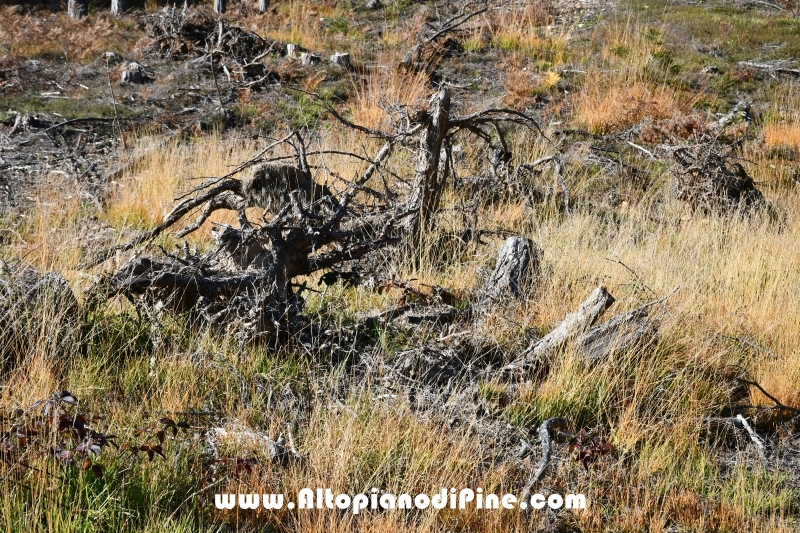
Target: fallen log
<point x="573" y="325"/>
<point x="617" y="335"/>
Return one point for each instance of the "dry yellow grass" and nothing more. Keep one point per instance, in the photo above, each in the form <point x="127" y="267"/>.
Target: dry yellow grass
<point x="58" y="35"/>
<point x="736" y="278"/>
<point x="384" y="87"/>
<point x="142" y="197"/>
<point x="776" y="135"/>
<point x="732" y="274"/>
<point x="610" y="105"/>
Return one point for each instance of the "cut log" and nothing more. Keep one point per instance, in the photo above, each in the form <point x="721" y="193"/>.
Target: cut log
<point x="517" y="263"/>
<point x="573" y="324"/>
<point x="78" y="9"/>
<point x="772" y="67"/>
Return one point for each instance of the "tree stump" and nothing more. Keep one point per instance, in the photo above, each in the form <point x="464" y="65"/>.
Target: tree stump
<point x="135" y="73"/>
<point x="341" y="59"/>
<point x="292" y="50"/>
<point x="78" y="9"/>
<point x="308" y="58"/>
<point x="517" y="263"/>
<point x="118" y="7"/>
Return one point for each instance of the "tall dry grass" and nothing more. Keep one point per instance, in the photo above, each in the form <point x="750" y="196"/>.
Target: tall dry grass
<point x="736" y="277"/>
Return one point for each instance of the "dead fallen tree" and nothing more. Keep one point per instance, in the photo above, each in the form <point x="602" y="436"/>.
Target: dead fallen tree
<point x="593" y="343"/>
<point x="247" y="281"/>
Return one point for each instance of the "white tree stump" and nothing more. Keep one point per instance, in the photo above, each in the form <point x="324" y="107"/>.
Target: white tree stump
<point x="78" y="9"/>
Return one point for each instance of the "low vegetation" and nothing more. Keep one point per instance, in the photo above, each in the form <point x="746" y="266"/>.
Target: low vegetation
<point x="121" y="415"/>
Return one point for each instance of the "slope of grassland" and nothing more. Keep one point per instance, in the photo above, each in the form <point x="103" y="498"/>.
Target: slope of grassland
<point x="634" y="80"/>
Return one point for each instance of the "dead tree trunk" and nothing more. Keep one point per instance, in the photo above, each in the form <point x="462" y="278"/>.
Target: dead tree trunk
<point x="573" y="325"/>
<point x="263" y="5"/>
<point x="517" y="263"/>
<point x="220" y="6"/>
<point x="78" y="9"/>
<point x="118" y="7"/>
<point x="618" y="335"/>
<point x="428" y="179"/>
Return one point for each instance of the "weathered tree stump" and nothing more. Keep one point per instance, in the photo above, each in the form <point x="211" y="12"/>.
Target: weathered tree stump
<point x="517" y="264"/>
<point x="31" y="302"/>
<point x="78" y="9"/>
<point x="342" y="59"/>
<point x="293" y="50"/>
<point x="118" y="7"/>
<point x="135" y="73"/>
<point x="308" y="58"/>
<point x="428" y="180"/>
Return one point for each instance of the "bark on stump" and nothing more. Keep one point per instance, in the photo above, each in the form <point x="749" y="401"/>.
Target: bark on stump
<point x="135" y="73"/>
<point x="341" y="59"/>
<point x="428" y="180"/>
<point x="517" y="263"/>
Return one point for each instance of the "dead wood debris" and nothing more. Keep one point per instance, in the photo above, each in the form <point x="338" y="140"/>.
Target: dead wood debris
<point x="546" y="437"/>
<point x="247" y="280"/>
<point x="618" y="335"/>
<point x="707" y="177"/>
<point x="517" y="265"/>
<point x="30" y="301"/>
